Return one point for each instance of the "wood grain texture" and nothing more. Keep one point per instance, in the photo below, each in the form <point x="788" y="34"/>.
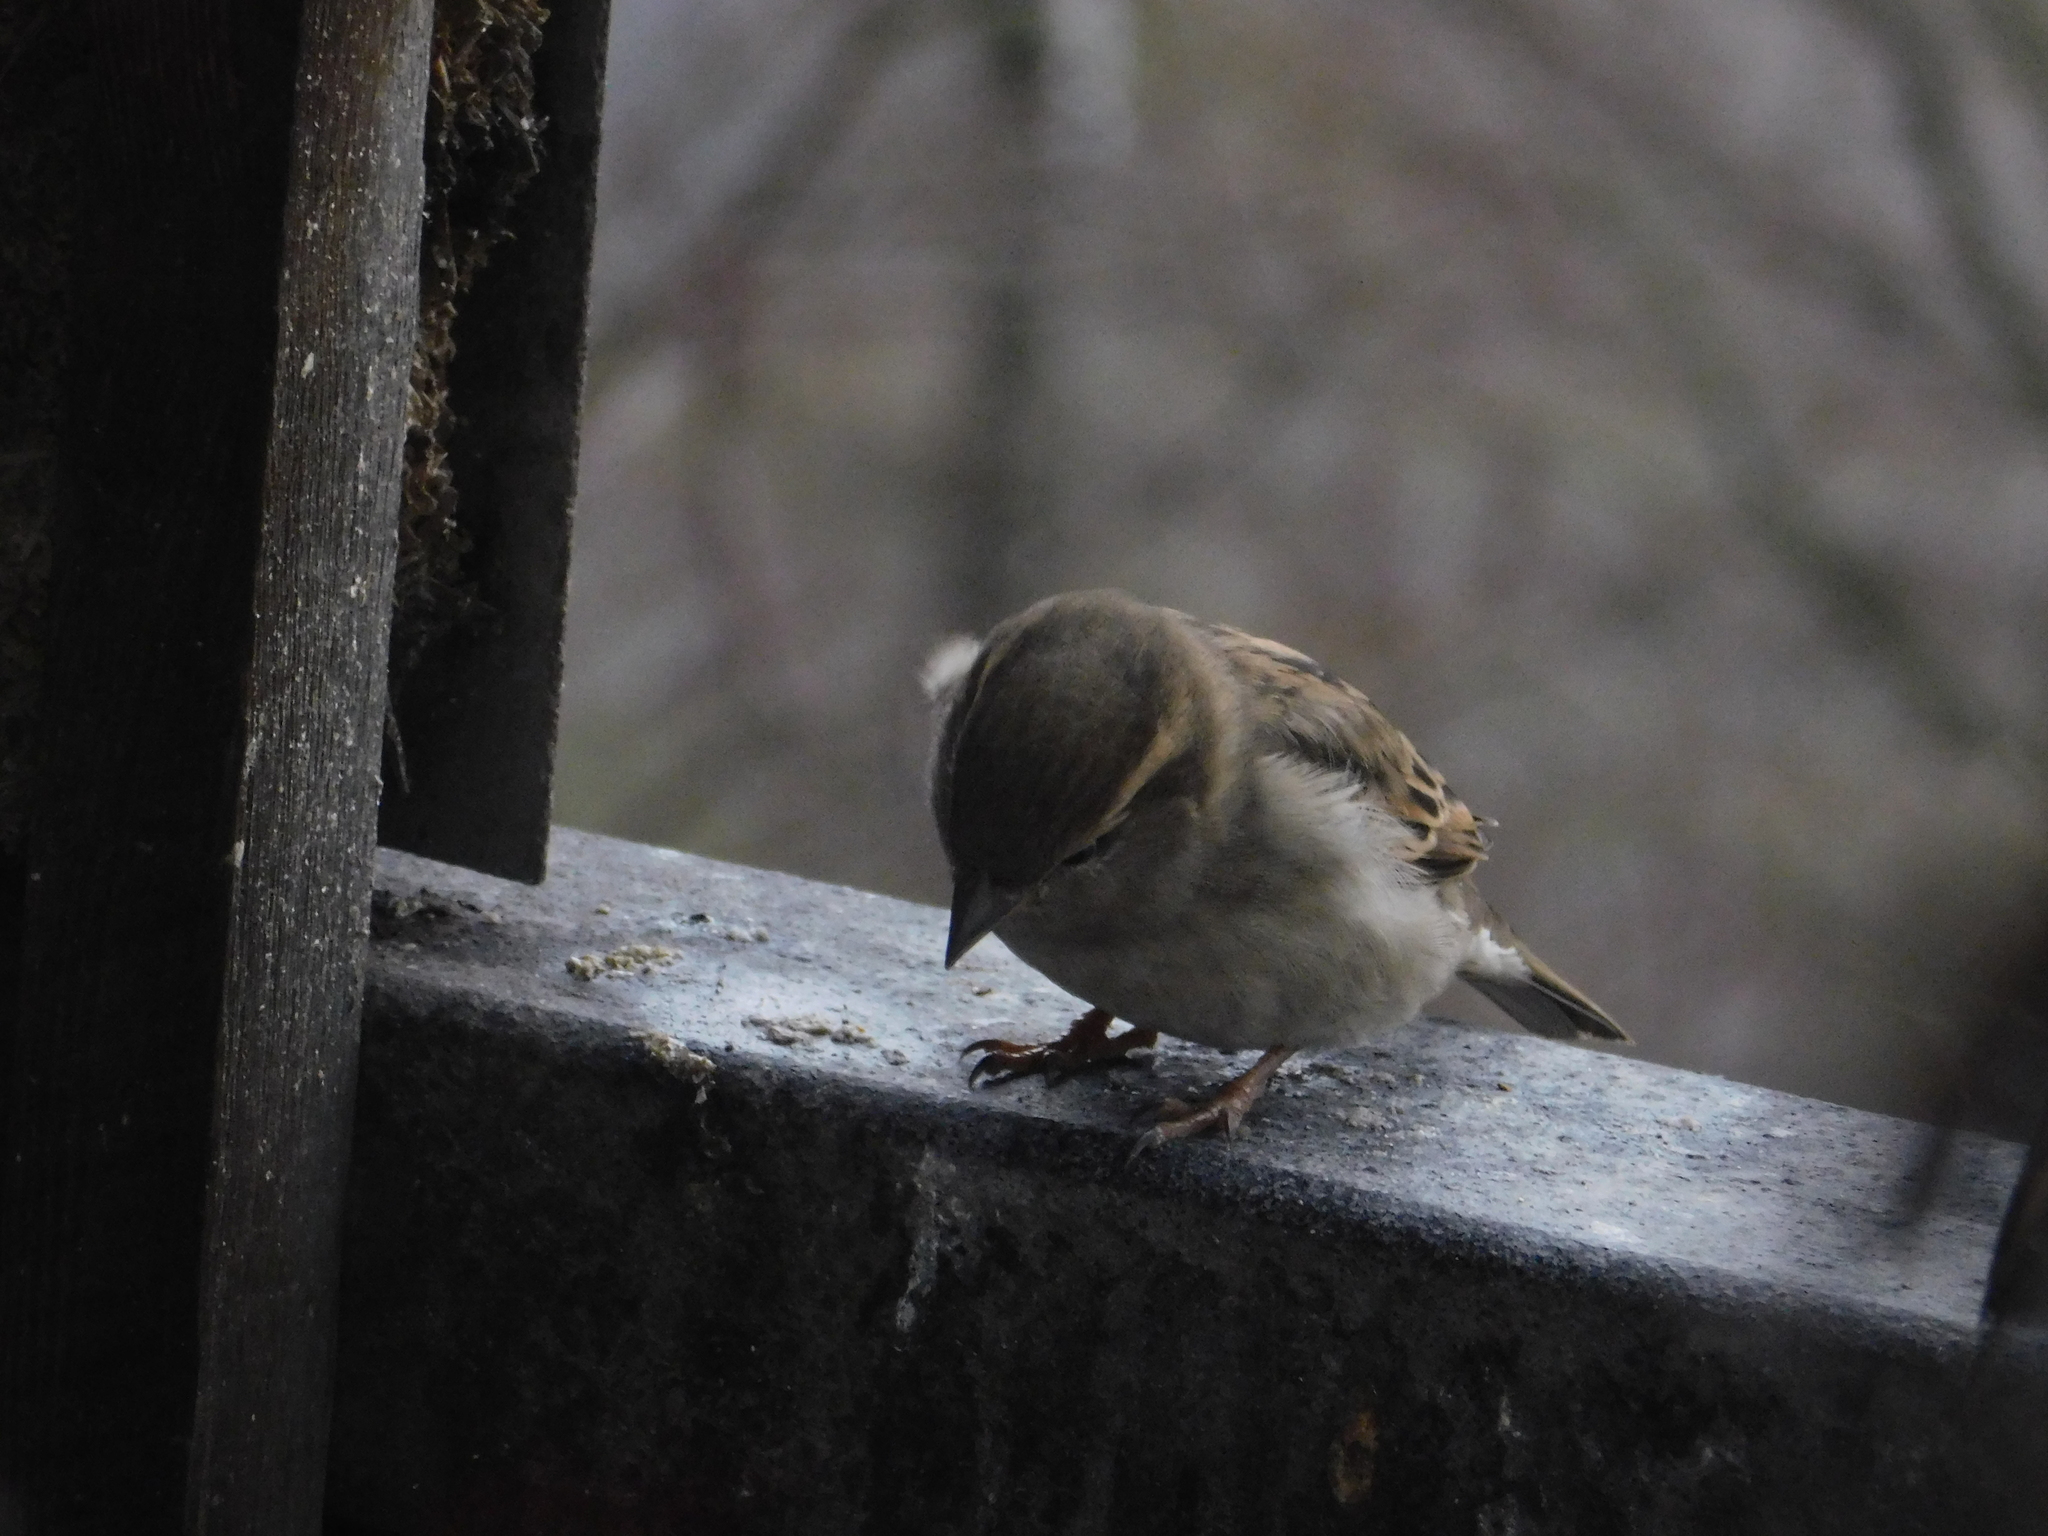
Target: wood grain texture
<point x="174" y="277"/>
<point x="479" y="712"/>
<point x="197" y="856"/>
<point x="306" y="808"/>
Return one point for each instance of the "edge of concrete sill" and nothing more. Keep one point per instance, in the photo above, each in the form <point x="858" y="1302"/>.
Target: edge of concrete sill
<point x="1656" y="1221"/>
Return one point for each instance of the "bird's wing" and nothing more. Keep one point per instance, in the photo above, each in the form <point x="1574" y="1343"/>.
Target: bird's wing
<point x="1304" y="709"/>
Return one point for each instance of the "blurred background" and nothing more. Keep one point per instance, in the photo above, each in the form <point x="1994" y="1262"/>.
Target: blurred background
<point x="1647" y="404"/>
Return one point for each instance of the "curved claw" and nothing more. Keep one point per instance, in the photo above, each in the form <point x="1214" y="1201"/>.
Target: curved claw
<point x="1004" y="1057"/>
<point x="1179" y="1119"/>
<point x="1222" y="1112"/>
<point x="1149" y="1141"/>
<point x="1086" y="1044"/>
<point x="1157" y="1110"/>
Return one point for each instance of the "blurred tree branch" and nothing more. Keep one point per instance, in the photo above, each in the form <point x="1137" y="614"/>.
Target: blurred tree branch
<point x="711" y="305"/>
<point x="704" y="297"/>
<point x="994" y="493"/>
<point x="1932" y="99"/>
<point x="1870" y="603"/>
<point x="1745" y="198"/>
<point x="2019" y="28"/>
<point x="1654" y="161"/>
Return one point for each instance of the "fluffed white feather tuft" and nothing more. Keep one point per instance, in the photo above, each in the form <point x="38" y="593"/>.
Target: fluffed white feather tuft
<point x="1494" y="960"/>
<point x="947" y="665"/>
<point x="1385" y="908"/>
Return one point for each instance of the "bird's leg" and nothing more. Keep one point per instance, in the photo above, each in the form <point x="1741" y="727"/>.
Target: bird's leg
<point x="1220" y="1112"/>
<point x="1087" y="1043"/>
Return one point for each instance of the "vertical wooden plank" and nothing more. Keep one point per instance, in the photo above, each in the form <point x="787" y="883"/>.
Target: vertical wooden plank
<point x="478" y="714"/>
<point x="40" y="197"/>
<point x="200" y="825"/>
<point x="306" y="810"/>
<point x="185" y="124"/>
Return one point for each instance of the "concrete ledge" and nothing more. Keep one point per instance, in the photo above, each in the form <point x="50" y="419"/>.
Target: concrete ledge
<point x="713" y="1237"/>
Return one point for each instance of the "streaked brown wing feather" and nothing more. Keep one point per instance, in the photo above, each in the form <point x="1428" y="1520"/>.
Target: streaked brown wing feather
<point x="1307" y="710"/>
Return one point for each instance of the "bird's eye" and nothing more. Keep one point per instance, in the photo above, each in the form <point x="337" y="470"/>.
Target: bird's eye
<point x="1096" y="849"/>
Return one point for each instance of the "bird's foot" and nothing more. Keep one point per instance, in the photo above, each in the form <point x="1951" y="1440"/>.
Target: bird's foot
<point x="1222" y="1111"/>
<point x="1086" y="1044"/>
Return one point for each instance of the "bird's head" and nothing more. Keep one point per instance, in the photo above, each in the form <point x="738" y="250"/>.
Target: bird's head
<point x="1073" y="716"/>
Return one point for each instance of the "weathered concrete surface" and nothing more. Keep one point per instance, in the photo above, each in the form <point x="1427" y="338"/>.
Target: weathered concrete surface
<point x="726" y="1244"/>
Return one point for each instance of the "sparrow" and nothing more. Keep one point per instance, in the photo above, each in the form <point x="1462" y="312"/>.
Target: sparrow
<point x="1211" y="836"/>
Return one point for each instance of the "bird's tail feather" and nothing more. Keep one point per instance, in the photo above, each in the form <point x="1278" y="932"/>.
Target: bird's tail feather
<point x="1545" y="1003"/>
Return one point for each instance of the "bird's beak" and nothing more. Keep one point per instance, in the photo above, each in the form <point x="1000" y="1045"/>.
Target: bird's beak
<point x="978" y="905"/>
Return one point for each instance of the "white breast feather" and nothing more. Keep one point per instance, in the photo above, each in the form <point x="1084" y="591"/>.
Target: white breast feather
<point x="1384" y="901"/>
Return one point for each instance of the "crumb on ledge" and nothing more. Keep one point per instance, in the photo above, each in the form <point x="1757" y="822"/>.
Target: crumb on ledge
<point x="627" y="957"/>
<point x="679" y="1058"/>
<point x="803" y="1028"/>
<point x="741" y="931"/>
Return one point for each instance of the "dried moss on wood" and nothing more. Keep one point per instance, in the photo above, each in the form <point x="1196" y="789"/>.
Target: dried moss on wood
<point x="482" y="149"/>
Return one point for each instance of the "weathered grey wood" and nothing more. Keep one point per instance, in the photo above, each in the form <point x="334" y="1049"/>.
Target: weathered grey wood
<point x="306" y="811"/>
<point x="201" y="820"/>
<point x="478" y="714"/>
<point x="184" y="131"/>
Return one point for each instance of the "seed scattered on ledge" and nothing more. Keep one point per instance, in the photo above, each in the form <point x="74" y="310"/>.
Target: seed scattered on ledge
<point x="680" y="1059"/>
<point x="803" y="1028"/>
<point x="627" y="957"/>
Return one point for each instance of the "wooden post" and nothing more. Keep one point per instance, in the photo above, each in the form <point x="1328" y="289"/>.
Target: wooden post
<point x="478" y="715"/>
<point x="198" y="857"/>
<point x="306" y="813"/>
